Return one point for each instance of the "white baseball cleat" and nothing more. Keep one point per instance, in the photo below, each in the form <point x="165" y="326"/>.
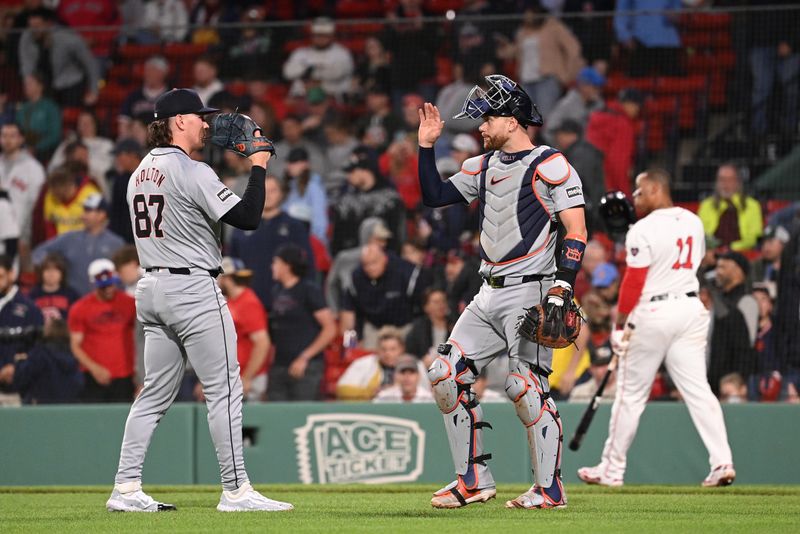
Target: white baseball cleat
<point x="456" y="495"/>
<point x="129" y="497"/>
<point x="594" y="475"/>
<point x="536" y="499"/>
<point x="246" y="499"/>
<point x="721" y="475"/>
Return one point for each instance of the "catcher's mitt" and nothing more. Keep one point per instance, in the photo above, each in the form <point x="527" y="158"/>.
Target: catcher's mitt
<point x="551" y="324"/>
<point x="237" y="133"/>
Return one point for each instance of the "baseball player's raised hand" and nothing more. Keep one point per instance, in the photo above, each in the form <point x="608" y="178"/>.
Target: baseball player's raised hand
<point x="430" y="125"/>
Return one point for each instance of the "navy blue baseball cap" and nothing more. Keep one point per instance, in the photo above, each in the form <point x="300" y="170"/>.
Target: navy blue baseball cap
<point x="180" y="102"/>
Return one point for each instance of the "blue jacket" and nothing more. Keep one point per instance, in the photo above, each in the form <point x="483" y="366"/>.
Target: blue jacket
<point x="19" y="312"/>
<point x="652" y="29"/>
<point x="49" y="374"/>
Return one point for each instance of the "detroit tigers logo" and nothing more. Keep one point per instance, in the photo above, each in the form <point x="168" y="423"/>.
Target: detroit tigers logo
<point x="573" y="254"/>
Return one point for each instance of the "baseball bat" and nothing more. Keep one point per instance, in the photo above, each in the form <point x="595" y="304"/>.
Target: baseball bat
<point x="591" y="409"/>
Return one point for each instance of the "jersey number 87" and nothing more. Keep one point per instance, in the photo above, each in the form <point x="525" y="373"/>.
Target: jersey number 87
<point x="143" y="226"/>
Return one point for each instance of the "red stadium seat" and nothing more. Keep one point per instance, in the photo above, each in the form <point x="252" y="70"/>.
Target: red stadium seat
<point x="69" y="118"/>
<point x="184" y="51"/>
<point x="135" y="52"/>
<point x="439" y="7"/>
<point x="359" y="9"/>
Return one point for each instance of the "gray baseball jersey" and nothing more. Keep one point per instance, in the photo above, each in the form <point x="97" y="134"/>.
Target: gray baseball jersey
<point x="520" y="197"/>
<point x="175" y="204"/>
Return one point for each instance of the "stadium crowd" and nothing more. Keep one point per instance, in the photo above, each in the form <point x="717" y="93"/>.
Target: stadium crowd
<point x="350" y="283"/>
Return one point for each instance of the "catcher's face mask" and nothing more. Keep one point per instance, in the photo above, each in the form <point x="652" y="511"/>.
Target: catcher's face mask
<point x="491" y="101"/>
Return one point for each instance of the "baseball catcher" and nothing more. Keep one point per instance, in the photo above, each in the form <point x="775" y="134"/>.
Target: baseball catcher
<point x="524" y="308"/>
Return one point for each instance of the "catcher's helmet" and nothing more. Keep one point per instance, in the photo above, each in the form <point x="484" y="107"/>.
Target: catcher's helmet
<point x="502" y="98"/>
<point x="617" y="212"/>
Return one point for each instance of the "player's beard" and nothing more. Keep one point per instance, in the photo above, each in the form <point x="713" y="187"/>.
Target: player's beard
<point x="493" y="142"/>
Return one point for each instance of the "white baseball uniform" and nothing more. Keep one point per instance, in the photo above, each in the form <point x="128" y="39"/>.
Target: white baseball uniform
<point x="670" y="326"/>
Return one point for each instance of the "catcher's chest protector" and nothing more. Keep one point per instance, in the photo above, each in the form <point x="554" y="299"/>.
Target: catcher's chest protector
<point x="516" y="210"/>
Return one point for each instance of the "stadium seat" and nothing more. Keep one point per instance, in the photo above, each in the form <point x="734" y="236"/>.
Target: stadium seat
<point x="359" y="9"/>
<point x="136" y="52"/>
<point x="69" y="118"/>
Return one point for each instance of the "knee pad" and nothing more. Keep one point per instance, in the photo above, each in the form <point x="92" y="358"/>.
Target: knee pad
<point x="451" y="376"/>
<point x="538" y="414"/>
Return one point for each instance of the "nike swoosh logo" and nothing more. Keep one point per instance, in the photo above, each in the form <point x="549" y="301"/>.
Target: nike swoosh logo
<point x="495" y="181"/>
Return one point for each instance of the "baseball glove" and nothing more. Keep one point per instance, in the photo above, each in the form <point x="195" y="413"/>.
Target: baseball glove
<point x="556" y="322"/>
<point x="237" y="133"/>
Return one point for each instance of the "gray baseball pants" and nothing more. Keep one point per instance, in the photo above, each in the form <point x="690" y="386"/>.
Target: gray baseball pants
<point x="186" y="317"/>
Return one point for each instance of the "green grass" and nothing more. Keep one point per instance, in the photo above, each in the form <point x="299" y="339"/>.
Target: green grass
<point x="406" y="508"/>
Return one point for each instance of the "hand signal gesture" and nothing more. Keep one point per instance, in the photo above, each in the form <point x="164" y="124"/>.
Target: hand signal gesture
<point x="430" y="125"/>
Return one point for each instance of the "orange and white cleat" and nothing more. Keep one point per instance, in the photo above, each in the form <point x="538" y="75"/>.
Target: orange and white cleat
<point x="456" y="495"/>
<point x="594" y="475"/>
<point x="721" y="475"/>
<point x="537" y="499"/>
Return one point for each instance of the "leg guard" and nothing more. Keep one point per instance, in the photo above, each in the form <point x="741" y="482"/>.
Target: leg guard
<point x="451" y="376"/>
<point x="538" y="413"/>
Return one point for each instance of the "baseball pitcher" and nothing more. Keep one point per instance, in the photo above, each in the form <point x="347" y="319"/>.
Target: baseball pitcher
<point x="176" y="206"/>
<point x="658" y="296"/>
<point x="524" y="308"/>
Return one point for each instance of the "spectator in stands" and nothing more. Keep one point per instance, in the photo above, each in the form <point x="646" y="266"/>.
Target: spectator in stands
<point x="18" y="315"/>
<point x="548" y="57"/>
<point x="591" y="31"/>
<point x="787" y="315"/>
<point x="735" y="320"/>
<point x="367" y="376"/>
<point x="413" y="48"/>
<point x="127" y="155"/>
<point x="47" y="373"/>
<point x="613" y="131"/>
<point x="131" y="14"/>
<point x="774" y="54"/>
<point x="367" y="195"/>
<point x="340" y="143"/>
<point x="51" y="293"/>
<point x="165" y="21"/>
<point x="39" y="118"/>
<point x="318" y="110"/>
<point x="730" y="215"/>
<point x="373" y="68"/>
<point x="732" y="389"/>
<point x="431" y="329"/>
<point x="256" y="248"/>
<point x="765" y="384"/>
<point x="126" y="262"/>
<point x="301" y="325"/>
<point x="587" y="161"/>
<point x="250" y="321"/>
<point x="340" y="278"/>
<point x="377" y="128"/>
<point x="205" y="17"/>
<point x="61" y="58"/>
<point x="256" y="46"/>
<point x="80" y="248"/>
<point x="22" y="178"/>
<point x="206" y="83"/>
<point x="584" y="392"/>
<point x="101" y="158"/>
<point x="386" y="289"/>
<point x="450" y="100"/>
<point x="101" y="337"/>
<point x="578" y="103"/>
<point x="62" y="204"/>
<point x="408" y="384"/>
<point x="306" y="193"/>
<point x="651" y="38"/>
<point x="325" y="61"/>
<point x="767" y="267"/>
<point x="460" y="279"/>
<point x="399" y="165"/>
<point x="292" y="137"/>
<point x="9" y="230"/>
<point x="593" y="256"/>
<point x="142" y="102"/>
<point x="475" y="47"/>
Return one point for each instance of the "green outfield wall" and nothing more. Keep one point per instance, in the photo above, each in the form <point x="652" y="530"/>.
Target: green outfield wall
<point x="340" y="442"/>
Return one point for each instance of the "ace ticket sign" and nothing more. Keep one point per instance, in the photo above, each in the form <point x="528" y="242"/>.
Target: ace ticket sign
<point x="346" y="448"/>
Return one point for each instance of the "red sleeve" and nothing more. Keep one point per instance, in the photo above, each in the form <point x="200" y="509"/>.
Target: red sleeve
<point x="75" y="319"/>
<point x="620" y="157"/>
<point x="631" y="288"/>
<point x="255" y="319"/>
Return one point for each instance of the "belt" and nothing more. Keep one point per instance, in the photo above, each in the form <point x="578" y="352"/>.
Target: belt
<point x="498" y="282"/>
<point x="665" y="296"/>
<point x="183" y="270"/>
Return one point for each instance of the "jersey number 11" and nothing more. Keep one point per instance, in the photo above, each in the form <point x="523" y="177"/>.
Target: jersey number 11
<point x="688" y="263"/>
<point x="142" y="224"/>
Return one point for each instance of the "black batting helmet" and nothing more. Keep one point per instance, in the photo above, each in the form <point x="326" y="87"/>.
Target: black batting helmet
<point x="617" y="213"/>
<point x="503" y="98"/>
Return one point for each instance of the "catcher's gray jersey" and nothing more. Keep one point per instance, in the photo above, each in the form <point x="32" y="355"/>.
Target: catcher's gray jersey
<point x="175" y="204"/>
<point x="520" y="195"/>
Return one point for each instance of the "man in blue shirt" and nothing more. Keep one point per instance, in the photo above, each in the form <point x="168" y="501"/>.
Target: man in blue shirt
<point x="651" y="37"/>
